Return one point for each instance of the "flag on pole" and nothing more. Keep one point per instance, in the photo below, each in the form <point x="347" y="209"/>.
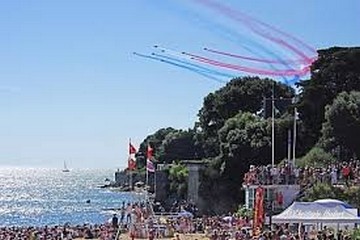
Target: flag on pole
<point x="149" y="152"/>
<point x="150" y="166"/>
<point x="149" y="156"/>
<point x="132" y="149"/>
<point x="131" y="159"/>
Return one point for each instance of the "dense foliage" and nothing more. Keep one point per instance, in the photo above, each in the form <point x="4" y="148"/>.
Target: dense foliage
<point x="336" y="70"/>
<point x="240" y="94"/>
<point x="342" y="123"/>
<point x="324" y="190"/>
<point x="178" y="174"/>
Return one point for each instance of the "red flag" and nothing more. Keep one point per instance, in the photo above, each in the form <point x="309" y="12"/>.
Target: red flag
<point x="131" y="164"/>
<point x="131" y="159"/>
<point x="259" y="209"/>
<point x="149" y="152"/>
<point x="132" y="149"/>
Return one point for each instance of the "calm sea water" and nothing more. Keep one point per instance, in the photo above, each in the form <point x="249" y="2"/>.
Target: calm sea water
<point x="37" y="197"/>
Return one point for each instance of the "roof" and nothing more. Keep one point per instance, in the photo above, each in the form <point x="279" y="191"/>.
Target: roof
<point x="329" y="201"/>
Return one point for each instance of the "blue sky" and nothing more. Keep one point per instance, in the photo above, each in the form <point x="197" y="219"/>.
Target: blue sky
<point x="71" y="89"/>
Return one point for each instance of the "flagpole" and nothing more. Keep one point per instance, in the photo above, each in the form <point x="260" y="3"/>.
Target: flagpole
<point x="147" y="173"/>
<point x="131" y="172"/>
<point x="155" y="183"/>
<point x="131" y="180"/>
<point x="272" y="129"/>
<point x="294" y="140"/>
<point x="147" y="182"/>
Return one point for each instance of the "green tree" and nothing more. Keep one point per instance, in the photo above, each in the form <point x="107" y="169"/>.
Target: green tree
<point x="352" y="196"/>
<point x="246" y="139"/>
<point x="342" y="123"/>
<point x="155" y="141"/>
<point x="240" y="94"/>
<point x="317" y="157"/>
<point x="179" y="144"/>
<point x="322" y="191"/>
<point x="336" y="70"/>
<point x="170" y="144"/>
<point x="178" y="175"/>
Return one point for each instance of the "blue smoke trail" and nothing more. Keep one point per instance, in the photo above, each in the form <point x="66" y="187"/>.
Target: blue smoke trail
<point x="229" y="35"/>
<point x="205" y="69"/>
<point x="181" y="66"/>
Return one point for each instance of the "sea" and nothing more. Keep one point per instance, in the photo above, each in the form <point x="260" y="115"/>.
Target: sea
<point x="42" y="196"/>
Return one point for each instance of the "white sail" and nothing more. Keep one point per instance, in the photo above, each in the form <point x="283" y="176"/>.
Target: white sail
<point x="65" y="169"/>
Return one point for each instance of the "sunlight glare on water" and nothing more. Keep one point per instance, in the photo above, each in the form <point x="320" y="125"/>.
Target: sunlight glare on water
<point x="33" y="197"/>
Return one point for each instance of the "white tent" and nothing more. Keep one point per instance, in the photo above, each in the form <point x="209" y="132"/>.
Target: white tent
<point x="314" y="212"/>
<point x="333" y="201"/>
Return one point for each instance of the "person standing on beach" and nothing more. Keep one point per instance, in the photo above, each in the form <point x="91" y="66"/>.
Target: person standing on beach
<point x="128" y="213"/>
<point x="122" y="217"/>
<point x="115" y="221"/>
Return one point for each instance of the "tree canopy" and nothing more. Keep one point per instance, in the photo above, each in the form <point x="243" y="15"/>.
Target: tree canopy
<point x="244" y="94"/>
<point x="336" y="70"/>
<point x="342" y="123"/>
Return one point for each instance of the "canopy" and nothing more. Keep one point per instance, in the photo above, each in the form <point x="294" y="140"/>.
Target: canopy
<point x="329" y="202"/>
<point x="314" y="212"/>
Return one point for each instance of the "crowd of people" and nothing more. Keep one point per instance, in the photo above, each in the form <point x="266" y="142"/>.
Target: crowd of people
<point x="347" y="173"/>
<point x="129" y="214"/>
<point x="225" y="227"/>
<point x="98" y="231"/>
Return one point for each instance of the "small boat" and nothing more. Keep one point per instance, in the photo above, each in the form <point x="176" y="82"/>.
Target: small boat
<point x="65" y="169"/>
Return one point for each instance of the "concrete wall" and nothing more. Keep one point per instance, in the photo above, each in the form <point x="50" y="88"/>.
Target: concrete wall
<point x="162" y="185"/>
<point x="194" y="181"/>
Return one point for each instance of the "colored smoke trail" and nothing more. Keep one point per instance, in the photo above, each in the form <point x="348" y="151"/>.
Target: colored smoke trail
<point x="180" y="66"/>
<point x="301" y="72"/>
<point x="201" y="68"/>
<point x="250" y="45"/>
<point x="252" y="24"/>
<point x="245" y="42"/>
<point x="287" y="61"/>
<point x="226" y="33"/>
<point x="189" y="56"/>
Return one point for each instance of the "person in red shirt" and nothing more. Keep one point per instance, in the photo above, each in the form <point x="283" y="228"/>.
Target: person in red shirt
<point x="346" y="171"/>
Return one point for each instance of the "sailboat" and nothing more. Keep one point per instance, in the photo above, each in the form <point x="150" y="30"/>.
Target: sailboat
<point x="65" y="169"/>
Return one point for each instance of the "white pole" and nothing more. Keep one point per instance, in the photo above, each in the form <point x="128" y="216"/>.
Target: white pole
<point x="273" y="130"/>
<point x="131" y="180"/>
<point x="294" y="141"/>
<point x="289" y="145"/>
<point x="147" y="182"/>
<point x="154" y="184"/>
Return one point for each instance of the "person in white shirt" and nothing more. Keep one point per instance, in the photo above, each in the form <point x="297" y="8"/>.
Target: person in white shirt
<point x="334" y="176"/>
<point x="274" y="175"/>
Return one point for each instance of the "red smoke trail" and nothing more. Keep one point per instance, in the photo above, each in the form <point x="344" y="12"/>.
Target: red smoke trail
<point x="251" y="24"/>
<point x="288" y="61"/>
<point x="301" y="72"/>
<point x="256" y="71"/>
